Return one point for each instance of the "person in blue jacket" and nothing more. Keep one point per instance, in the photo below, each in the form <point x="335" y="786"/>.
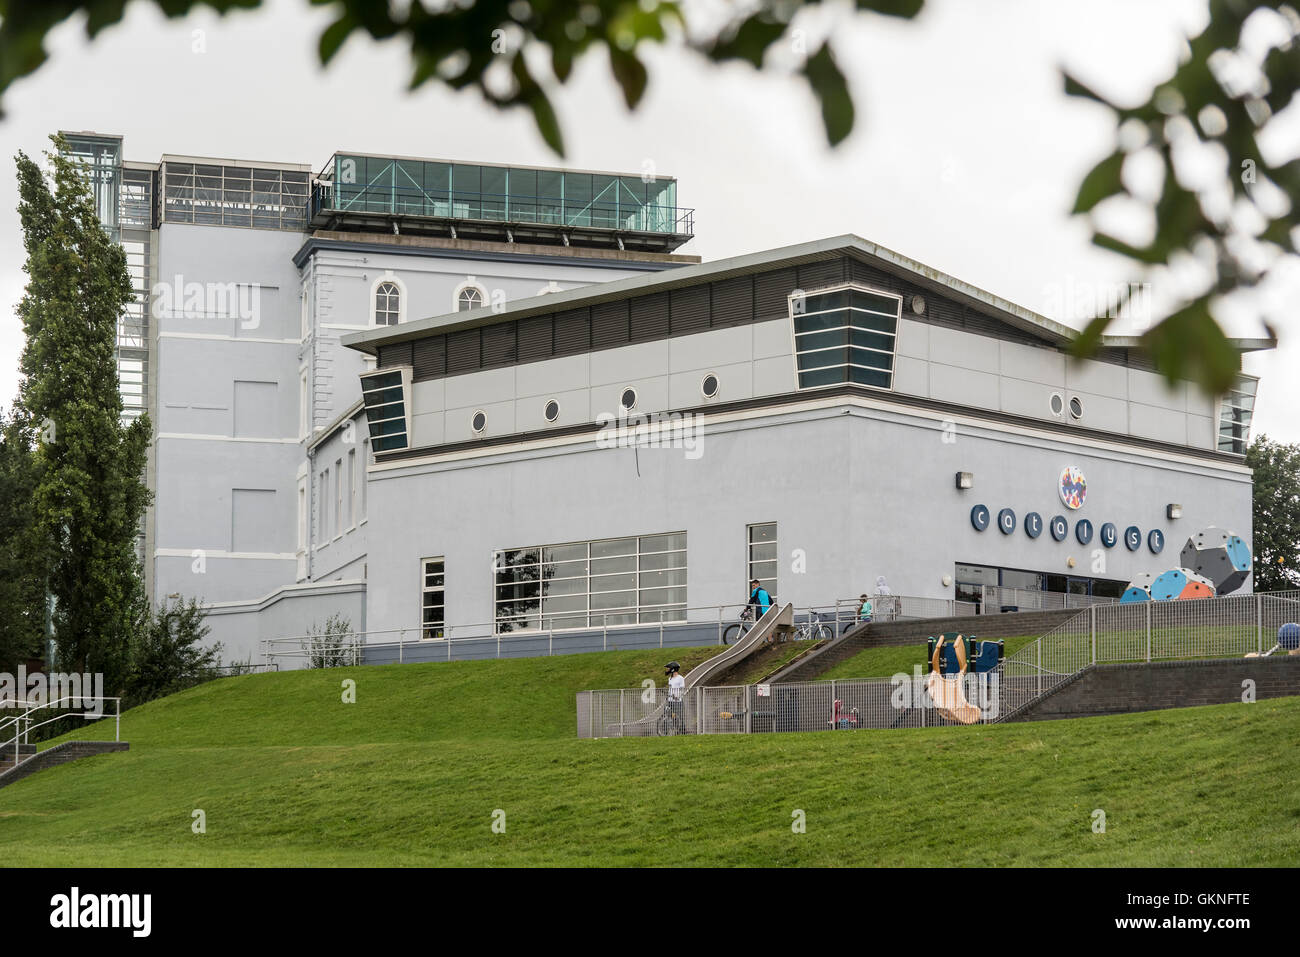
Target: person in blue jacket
<point x="759" y="599"/>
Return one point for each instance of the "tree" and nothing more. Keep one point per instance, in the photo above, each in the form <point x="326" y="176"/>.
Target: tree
<point x="167" y="653"/>
<point x="88" y="498"/>
<point x="1238" y="222"/>
<point x="22" y="579"/>
<point x="1276" y="514"/>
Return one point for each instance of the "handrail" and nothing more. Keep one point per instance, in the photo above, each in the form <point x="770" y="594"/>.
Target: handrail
<point x="21" y="736"/>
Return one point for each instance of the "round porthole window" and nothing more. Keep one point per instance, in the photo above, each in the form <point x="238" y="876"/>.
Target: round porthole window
<point x="479" y="422"/>
<point x="918" y="305"/>
<point x="628" y="400"/>
<point x="709" y="386"/>
<point x="1076" y="408"/>
<point x="1056" y="403"/>
<point x="552" y="411"/>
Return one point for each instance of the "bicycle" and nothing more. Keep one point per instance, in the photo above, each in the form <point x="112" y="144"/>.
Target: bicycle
<point x="739" y="629"/>
<point x="671" y="720"/>
<point x="813" y="629"/>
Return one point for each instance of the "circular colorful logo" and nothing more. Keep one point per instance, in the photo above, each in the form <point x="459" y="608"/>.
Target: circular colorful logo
<point x="1073" y="487"/>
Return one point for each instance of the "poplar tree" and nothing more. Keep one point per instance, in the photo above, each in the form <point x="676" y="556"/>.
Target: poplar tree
<point x="89" y="495"/>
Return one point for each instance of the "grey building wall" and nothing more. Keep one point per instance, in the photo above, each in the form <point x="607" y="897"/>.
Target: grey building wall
<point x="227" y="317"/>
<point x="859" y="487"/>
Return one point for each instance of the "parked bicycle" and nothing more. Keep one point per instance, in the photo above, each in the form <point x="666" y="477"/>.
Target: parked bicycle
<point x="671" y="720"/>
<point x="740" y="628"/>
<point x="813" y="629"/>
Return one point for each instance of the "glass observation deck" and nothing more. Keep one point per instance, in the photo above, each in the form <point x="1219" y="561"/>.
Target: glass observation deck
<point x="471" y="200"/>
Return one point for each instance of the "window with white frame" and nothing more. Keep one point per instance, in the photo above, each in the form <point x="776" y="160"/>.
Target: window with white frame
<point x="1236" y="409"/>
<point x="323" y="508"/>
<point x="353" y="482"/>
<point x="304" y="405"/>
<point x="471" y="297"/>
<point x="388" y="304"/>
<point x="845" y="334"/>
<point x="616" y="581"/>
<point x="764" y="560"/>
<point x="338" y="496"/>
<point x="365" y="463"/>
<point x="385" y="393"/>
<point x="302" y="513"/>
<point x="433" y="602"/>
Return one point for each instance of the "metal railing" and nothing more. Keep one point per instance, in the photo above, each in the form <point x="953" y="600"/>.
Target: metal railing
<point x="702" y="625"/>
<point x="23" y="724"/>
<point x="1229" y="627"/>
<point x="995" y="598"/>
<point x="903" y="608"/>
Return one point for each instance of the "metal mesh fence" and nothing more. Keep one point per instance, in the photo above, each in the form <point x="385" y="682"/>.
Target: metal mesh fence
<point x="1228" y="627"/>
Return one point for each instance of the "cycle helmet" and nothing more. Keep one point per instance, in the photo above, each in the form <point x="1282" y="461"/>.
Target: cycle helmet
<point x="671" y="667"/>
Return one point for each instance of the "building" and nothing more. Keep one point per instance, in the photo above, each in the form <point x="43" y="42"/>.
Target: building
<point x="247" y="275"/>
<point x="631" y="452"/>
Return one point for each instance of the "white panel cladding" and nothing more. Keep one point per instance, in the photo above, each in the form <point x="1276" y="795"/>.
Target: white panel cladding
<point x="1149" y="422"/>
<point x="775" y="376"/>
<point x="575" y="409"/>
<point x="965" y="350"/>
<point x="550" y="375"/>
<point x="1149" y="388"/>
<point x="1103" y="412"/>
<point x="911" y="376"/>
<point x="1020" y="397"/>
<point x="964" y="386"/>
<point x="625" y="363"/>
<point x="735" y="382"/>
<point x="913" y="339"/>
<point x="429" y="396"/>
<point x="1099" y="378"/>
<point x="651" y="396"/>
<point x="1201" y="432"/>
<point x="715" y="348"/>
<point x="1032" y="363"/>
<point x="458" y="425"/>
<point x="427" y="429"/>
<point x="772" y="339"/>
<point x="1198" y="403"/>
<point x="477" y="388"/>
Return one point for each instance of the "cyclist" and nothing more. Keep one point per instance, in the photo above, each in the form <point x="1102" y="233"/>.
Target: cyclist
<point x="676" y="694"/>
<point x="759" y="599"/>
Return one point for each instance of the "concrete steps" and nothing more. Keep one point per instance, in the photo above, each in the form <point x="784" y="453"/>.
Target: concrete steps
<point x="31" y="761"/>
<point x="914" y="632"/>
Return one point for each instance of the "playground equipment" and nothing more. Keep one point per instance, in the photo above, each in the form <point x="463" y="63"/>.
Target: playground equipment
<point x="951" y="655"/>
<point x="842" y="718"/>
<point x="1288" y="640"/>
<point x="1220" y="556"/>
<point x="1215" y="562"/>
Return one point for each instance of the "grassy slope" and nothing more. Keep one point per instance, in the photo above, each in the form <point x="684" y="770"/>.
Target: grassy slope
<point x="883" y="662"/>
<point x="412" y="773"/>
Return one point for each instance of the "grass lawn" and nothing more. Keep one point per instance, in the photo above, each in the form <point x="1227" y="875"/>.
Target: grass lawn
<point x="883" y="662"/>
<point x="413" y="771"/>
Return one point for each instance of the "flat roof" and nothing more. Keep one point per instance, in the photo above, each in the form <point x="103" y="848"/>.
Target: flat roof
<point x="1014" y="315"/>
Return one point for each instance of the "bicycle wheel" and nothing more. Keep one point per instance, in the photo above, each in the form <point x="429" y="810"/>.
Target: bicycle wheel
<point x="731" y="634"/>
<point x="662" y="726"/>
<point x="824" y="633"/>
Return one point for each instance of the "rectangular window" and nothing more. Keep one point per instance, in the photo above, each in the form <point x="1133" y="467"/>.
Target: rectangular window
<point x="352" y="488"/>
<point x="340" y="478"/>
<point x="302" y="513"/>
<point x="763" y="557"/>
<point x="365" y="482"/>
<point x="1235" y="412"/>
<point x="304" y="406"/>
<point x="433" y="603"/>
<point x="324" y="506"/>
<point x="845" y="334"/>
<point x="388" y="409"/>
<point x="619" y="581"/>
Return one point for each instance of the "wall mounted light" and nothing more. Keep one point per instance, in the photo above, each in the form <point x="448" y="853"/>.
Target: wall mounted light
<point x="1071" y="562"/>
<point x="1173" y="511"/>
<point x="947" y="580"/>
<point x="965" y="479"/>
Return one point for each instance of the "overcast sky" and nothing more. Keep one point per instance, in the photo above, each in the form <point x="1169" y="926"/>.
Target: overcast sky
<point x="966" y="154"/>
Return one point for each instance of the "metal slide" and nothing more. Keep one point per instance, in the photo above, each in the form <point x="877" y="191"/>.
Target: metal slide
<point x="775" y="619"/>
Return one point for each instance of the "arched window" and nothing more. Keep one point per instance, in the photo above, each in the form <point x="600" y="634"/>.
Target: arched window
<point x="388" y="304"/>
<point x="470" y="297"/>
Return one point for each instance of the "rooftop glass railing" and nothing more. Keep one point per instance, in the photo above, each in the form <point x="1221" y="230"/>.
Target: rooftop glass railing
<point x="387" y="186"/>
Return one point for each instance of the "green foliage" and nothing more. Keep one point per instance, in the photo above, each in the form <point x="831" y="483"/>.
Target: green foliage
<point x="166" y="652"/>
<point x="88" y="496"/>
<point x="334" y="646"/>
<point x="22" y="579"/>
<point x="457" y="44"/>
<point x="1276" y="514"/>
<point x="1220" y="98"/>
